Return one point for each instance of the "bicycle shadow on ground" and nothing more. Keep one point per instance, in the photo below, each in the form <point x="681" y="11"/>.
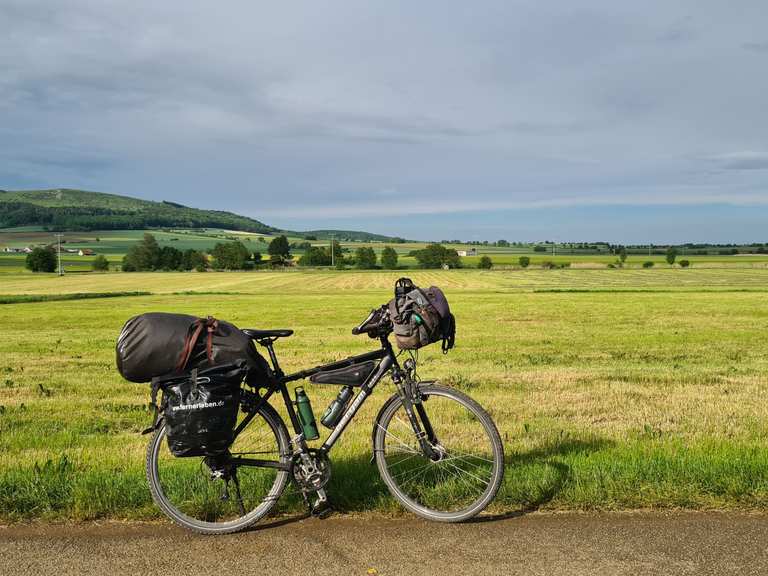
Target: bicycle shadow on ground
<point x="355" y="485"/>
<point x="555" y="475"/>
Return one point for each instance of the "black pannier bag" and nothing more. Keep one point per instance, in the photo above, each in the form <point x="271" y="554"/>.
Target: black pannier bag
<point x="200" y="409"/>
<point x="421" y="316"/>
<point x="354" y="375"/>
<point x="158" y="344"/>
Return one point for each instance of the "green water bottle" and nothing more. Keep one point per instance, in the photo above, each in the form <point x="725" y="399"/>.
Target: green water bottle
<point x="306" y="416"/>
<point x="336" y="408"/>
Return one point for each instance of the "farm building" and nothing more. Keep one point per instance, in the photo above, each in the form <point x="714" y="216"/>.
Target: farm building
<point x="467" y="252"/>
<point x="86" y="252"/>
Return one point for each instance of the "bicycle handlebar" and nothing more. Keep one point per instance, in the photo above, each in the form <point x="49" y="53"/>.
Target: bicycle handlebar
<point x="373" y="323"/>
<point x="359" y="328"/>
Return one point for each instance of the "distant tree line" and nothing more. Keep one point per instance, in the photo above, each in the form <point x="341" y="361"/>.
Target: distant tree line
<point x="87" y="218"/>
<point x="147" y="255"/>
<point x="437" y="256"/>
<point x="364" y="257"/>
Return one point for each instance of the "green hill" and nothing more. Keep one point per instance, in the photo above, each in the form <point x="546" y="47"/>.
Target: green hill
<point x="64" y="209"/>
<point x="81" y="210"/>
<point x="352" y="236"/>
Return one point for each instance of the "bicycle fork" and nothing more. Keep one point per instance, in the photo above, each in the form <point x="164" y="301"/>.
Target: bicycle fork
<point x="417" y="416"/>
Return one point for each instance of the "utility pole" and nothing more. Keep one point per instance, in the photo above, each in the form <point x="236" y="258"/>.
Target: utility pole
<point x="58" y="236"/>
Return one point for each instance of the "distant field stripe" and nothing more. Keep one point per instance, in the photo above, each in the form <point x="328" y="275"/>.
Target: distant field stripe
<point x="723" y="289"/>
<point x="22" y="298"/>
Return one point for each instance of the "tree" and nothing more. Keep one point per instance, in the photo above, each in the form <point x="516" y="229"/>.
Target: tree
<point x="315" y="256"/>
<point x="389" y="258"/>
<point x="310" y="237"/>
<point x="437" y="255"/>
<point x="365" y="258"/>
<point x="502" y="243"/>
<point x="648" y="264"/>
<point x="144" y="255"/>
<point x="100" y="263"/>
<point x="279" y="250"/>
<point x="685" y="263"/>
<point x="671" y="255"/>
<point x="485" y="263"/>
<point x="193" y="260"/>
<point x="170" y="258"/>
<point x="539" y="248"/>
<point x="623" y="254"/>
<point x="524" y="261"/>
<point x="231" y="256"/>
<point x="41" y="260"/>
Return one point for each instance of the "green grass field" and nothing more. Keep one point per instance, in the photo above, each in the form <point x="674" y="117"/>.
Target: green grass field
<point x="612" y="389"/>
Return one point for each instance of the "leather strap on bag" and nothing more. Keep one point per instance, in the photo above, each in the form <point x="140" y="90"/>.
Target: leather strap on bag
<point x="211" y="324"/>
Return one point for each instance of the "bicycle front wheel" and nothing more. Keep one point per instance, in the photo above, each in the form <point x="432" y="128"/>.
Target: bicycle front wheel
<point x="219" y="495"/>
<point x="466" y="467"/>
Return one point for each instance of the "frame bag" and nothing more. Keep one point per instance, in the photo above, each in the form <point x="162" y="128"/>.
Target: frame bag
<point x="200" y="409"/>
<point x="421" y="317"/>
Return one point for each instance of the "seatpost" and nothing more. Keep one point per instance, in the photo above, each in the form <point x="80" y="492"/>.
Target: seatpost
<point x="275" y="365"/>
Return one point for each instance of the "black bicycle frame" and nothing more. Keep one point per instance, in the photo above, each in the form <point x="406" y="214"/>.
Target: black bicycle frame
<point x="388" y="362"/>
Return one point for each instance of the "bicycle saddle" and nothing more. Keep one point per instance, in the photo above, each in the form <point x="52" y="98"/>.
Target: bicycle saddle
<point x="258" y="334"/>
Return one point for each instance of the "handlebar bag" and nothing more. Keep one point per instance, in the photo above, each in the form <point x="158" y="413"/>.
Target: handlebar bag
<point x="200" y="409"/>
<point x="354" y="375"/>
<point x="421" y="317"/>
<point x="158" y="344"/>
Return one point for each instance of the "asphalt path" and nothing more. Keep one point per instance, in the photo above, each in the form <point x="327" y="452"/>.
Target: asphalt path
<point x="650" y="543"/>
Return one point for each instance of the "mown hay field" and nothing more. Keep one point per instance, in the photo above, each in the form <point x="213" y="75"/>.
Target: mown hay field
<point x="612" y="389"/>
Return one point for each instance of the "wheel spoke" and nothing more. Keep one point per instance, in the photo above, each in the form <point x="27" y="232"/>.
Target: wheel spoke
<point x="405" y="446"/>
<point x="205" y="493"/>
<point x="466" y="472"/>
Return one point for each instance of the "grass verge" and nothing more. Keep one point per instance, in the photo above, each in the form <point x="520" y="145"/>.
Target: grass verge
<point x="604" y="400"/>
<point x="23" y="298"/>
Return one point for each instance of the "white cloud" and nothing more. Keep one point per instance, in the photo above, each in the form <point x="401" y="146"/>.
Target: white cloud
<point x="386" y="108"/>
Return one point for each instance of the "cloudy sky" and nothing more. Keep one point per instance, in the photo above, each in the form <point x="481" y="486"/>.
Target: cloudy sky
<point x="525" y="120"/>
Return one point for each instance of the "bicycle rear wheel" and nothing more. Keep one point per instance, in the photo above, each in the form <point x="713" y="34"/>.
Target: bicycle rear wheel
<point x="467" y="468"/>
<point x="212" y="495"/>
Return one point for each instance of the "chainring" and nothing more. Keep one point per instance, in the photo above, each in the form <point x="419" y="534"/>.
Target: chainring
<point x="314" y="475"/>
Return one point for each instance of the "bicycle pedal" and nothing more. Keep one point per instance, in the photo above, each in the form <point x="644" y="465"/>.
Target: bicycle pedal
<point x="322" y="510"/>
